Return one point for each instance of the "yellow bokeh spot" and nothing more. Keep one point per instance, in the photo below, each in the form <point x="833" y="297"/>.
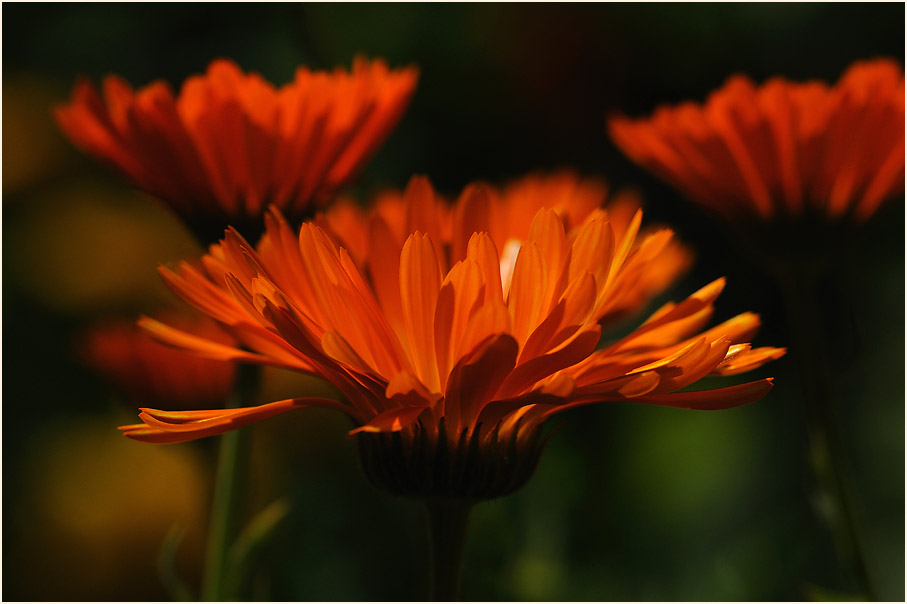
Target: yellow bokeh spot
<point x="104" y="504"/>
<point x="32" y="147"/>
<point x="87" y="247"/>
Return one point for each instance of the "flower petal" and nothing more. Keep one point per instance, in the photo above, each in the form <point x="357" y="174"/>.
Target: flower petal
<point x="163" y="427"/>
<point x="711" y="400"/>
<point x="392" y="420"/>
<point x="476" y="378"/>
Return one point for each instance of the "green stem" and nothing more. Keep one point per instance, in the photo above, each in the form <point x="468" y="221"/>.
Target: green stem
<point x="224" y="514"/>
<point x="232" y="466"/>
<point x="447" y="521"/>
<point x="827" y="455"/>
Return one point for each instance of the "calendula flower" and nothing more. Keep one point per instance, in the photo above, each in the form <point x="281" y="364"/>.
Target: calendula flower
<point x="505" y="214"/>
<point x="795" y="167"/>
<point x="230" y="143"/>
<point x="783" y="148"/>
<point x="147" y="372"/>
<point x="452" y="354"/>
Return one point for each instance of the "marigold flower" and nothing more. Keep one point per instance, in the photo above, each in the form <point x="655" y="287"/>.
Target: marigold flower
<point x="782" y="148"/>
<point x="230" y="143"/>
<point x="150" y="373"/>
<point x="506" y="215"/>
<point x="451" y="356"/>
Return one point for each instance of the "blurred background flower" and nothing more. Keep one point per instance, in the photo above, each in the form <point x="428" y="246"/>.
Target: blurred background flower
<point x="782" y="148"/>
<point x="629" y="502"/>
<point x="145" y="372"/>
<point x="229" y="144"/>
<point x="795" y="168"/>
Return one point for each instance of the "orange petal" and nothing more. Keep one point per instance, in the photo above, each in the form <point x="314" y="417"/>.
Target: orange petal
<point x="162" y="427"/>
<point x="481" y="248"/>
<point x="673" y="322"/>
<point x="392" y="420"/>
<point x="527" y="290"/>
<point x="547" y="230"/>
<point x="201" y="346"/>
<point x="405" y="388"/>
<point x="567" y="317"/>
<point x="423" y="212"/>
<point x="577" y="348"/>
<point x="476" y="378"/>
<point x="710" y="400"/>
<point x="460" y="297"/>
<point x="471" y="215"/>
<point x="420" y="282"/>
<point x="749" y="359"/>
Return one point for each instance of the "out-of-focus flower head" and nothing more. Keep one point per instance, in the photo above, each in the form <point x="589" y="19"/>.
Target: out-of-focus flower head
<point x="782" y="149"/>
<point x="452" y="349"/>
<point x="147" y="372"/>
<point x="230" y="143"/>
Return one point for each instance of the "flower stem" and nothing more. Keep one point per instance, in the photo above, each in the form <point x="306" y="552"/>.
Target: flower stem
<point x="826" y="449"/>
<point x="228" y="488"/>
<point x="224" y="514"/>
<point x="447" y="521"/>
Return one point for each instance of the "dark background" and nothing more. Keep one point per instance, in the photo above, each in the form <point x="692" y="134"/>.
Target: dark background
<point x="629" y="503"/>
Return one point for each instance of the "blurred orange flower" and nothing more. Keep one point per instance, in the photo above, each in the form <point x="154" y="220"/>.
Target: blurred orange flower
<point x="231" y="143"/>
<point x="147" y="372"/>
<point x="455" y="347"/>
<point x="783" y="147"/>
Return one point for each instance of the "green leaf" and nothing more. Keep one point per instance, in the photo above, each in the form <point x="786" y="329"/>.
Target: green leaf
<point x="166" y="565"/>
<point x="250" y="543"/>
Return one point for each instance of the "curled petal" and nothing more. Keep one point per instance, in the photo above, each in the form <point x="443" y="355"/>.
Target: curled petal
<point x="749" y="359"/>
<point x="164" y="427"/>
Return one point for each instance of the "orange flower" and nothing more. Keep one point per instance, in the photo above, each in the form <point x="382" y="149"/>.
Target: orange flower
<point x="231" y="144"/>
<point x="781" y="148"/>
<point x="451" y="356"/>
<point x="505" y="214"/>
<point x="150" y="373"/>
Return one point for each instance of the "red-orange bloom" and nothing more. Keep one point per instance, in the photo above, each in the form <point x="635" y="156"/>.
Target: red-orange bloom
<point x="147" y="372"/>
<point x="506" y="215"/>
<point x="456" y="346"/>
<point x="231" y="143"/>
<point x="781" y="148"/>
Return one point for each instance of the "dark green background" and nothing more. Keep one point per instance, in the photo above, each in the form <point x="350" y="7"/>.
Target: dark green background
<point x="630" y="502"/>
